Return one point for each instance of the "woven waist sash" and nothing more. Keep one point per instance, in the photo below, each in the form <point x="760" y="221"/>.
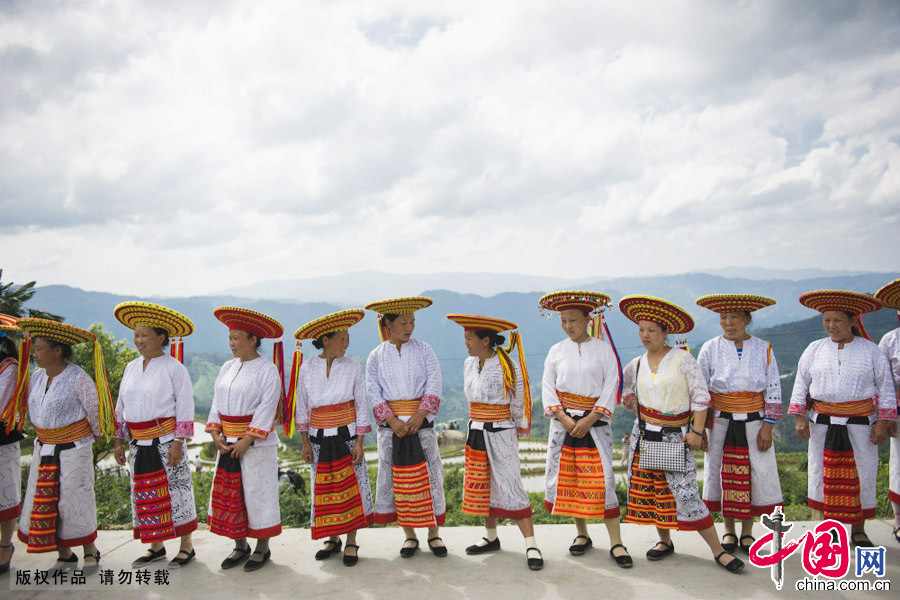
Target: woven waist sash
<point x="235" y="426"/>
<point x="150" y="430"/>
<point x="738" y="402"/>
<point x="404" y="408"/>
<point x="857" y="408"/>
<point x="489" y="413"/>
<point x="64" y="435"/>
<point x="333" y="416"/>
<point x="575" y="402"/>
<point x="661" y="419"/>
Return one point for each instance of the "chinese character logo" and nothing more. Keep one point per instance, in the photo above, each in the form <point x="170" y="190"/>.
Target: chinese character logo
<point x="870" y="560"/>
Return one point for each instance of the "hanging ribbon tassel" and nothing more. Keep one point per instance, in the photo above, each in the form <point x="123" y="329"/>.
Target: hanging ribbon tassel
<point x="177" y="350"/>
<point x="278" y="360"/>
<point x="382" y="331"/>
<point x="862" y="328"/>
<point x="509" y="376"/>
<point x="290" y="402"/>
<point x="609" y="339"/>
<point x="14" y="413"/>
<point x="104" y="395"/>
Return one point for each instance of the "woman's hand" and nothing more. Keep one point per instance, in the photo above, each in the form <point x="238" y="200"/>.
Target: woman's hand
<point x="801" y="426"/>
<point x="307" y="453"/>
<point x="565" y="420"/>
<point x="119" y="453"/>
<point x="239" y="447"/>
<point x="219" y="441"/>
<point x="358" y="455"/>
<point x="879" y="432"/>
<point x="397" y="426"/>
<point x="175" y="453"/>
<point x="764" y="437"/>
<point x="693" y="439"/>
<point x="583" y="425"/>
<point x="415" y="422"/>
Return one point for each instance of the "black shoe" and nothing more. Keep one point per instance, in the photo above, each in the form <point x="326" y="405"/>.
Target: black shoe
<point x="481" y="549"/>
<point x="92" y="568"/>
<point x="729" y="546"/>
<point x="579" y="549"/>
<point x="350" y="560"/>
<point x="654" y="554"/>
<point x="535" y="564"/>
<point x="177" y="563"/>
<point x="155" y="555"/>
<point x="623" y="561"/>
<point x="253" y="565"/>
<point x="63" y="564"/>
<point x="242" y="554"/>
<point x="862" y="542"/>
<point x="328" y="551"/>
<point x="745" y="548"/>
<point x="734" y="566"/>
<point x="5" y="566"/>
<point x="439" y="551"/>
<point x="408" y="552"/>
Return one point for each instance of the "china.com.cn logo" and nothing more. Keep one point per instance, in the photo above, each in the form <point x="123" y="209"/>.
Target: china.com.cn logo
<point x="825" y="550"/>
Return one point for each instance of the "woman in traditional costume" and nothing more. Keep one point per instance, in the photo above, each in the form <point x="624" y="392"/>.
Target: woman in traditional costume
<point x="155" y="414"/>
<point x="10" y="471"/>
<point x="580" y="392"/>
<point x="403" y="384"/>
<point x="666" y="386"/>
<point x="741" y="474"/>
<point x="499" y="411"/>
<point x="889" y="296"/>
<point x="248" y="392"/>
<point x="844" y="403"/>
<point x="68" y="412"/>
<point x="333" y="419"/>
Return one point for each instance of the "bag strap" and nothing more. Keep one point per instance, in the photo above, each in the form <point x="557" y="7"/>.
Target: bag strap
<point x="637" y="402"/>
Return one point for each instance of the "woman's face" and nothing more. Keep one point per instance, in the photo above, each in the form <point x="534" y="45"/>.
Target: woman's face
<point x="734" y="325"/>
<point x="838" y="325"/>
<point x="653" y="337"/>
<point x="401" y="328"/>
<point x="148" y="342"/>
<point x="574" y="322"/>
<point x="336" y="345"/>
<point x="475" y="345"/>
<point x="242" y="344"/>
<point x="45" y="354"/>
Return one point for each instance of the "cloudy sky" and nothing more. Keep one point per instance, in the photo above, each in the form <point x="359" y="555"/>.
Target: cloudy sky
<point x="173" y="147"/>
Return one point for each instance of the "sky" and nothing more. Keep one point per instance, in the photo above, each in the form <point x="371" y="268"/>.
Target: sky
<point x="184" y="148"/>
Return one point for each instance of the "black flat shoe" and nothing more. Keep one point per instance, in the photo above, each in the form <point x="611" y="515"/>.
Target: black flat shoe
<point x="729" y="546"/>
<point x="326" y="552"/>
<point x="440" y="551"/>
<point x="231" y="562"/>
<point x="408" y="552"/>
<point x="177" y="562"/>
<point x="623" y="561"/>
<point x="535" y="564"/>
<point x="579" y="549"/>
<point x="149" y="557"/>
<point x="734" y="566"/>
<point x="64" y="564"/>
<point x="481" y="549"/>
<point x="350" y="560"/>
<point x="745" y="548"/>
<point x="863" y="541"/>
<point x="654" y="554"/>
<point x="253" y="565"/>
<point x="5" y="566"/>
<point x="90" y="569"/>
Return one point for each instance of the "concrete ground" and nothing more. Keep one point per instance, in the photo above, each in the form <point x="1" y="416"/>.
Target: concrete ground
<point x="382" y="573"/>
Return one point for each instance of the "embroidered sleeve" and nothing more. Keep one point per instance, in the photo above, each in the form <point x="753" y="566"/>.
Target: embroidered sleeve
<point x="517" y="403"/>
<point x="374" y="392"/>
<point x="629" y="384"/>
<point x="360" y="401"/>
<point x="801" y="383"/>
<point x="773" y="385"/>
<point x="697" y="388"/>
<point x="431" y="399"/>
<point x="548" y="386"/>
<point x="184" y="400"/>
<point x="884" y="382"/>
<point x="606" y="403"/>
<point x="430" y="403"/>
<point x="270" y="391"/>
<point x="301" y="411"/>
<point x="87" y="396"/>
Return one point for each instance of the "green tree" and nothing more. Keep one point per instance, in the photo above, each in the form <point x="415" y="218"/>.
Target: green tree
<point x="13" y="298"/>
<point x="117" y="355"/>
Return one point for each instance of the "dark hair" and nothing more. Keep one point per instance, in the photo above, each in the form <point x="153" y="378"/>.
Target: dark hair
<point x="854" y="329"/>
<point x="161" y="331"/>
<point x="388" y="318"/>
<point x="749" y="315"/>
<point x="7" y="348"/>
<point x="318" y="343"/>
<point x="66" y="349"/>
<point x="496" y="338"/>
<point x="664" y="328"/>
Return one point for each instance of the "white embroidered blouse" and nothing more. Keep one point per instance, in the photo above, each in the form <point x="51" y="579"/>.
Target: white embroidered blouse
<point x="588" y="369"/>
<point x="754" y="370"/>
<point x="487" y="388"/>
<point x="7" y="382"/>
<point x="344" y="383"/>
<point x="860" y="372"/>
<point x="247" y="388"/>
<point x="676" y="387"/>
<point x="71" y="397"/>
<point x="410" y="373"/>
<point x="160" y="391"/>
<point x="890" y="346"/>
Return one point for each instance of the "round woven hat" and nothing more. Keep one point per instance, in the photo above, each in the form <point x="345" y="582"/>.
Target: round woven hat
<point x="852" y="302"/>
<point x="726" y="303"/>
<point x="339" y="321"/>
<point x="638" y="308"/>
<point x="8" y="324"/>
<point x="400" y="306"/>
<point x="145" y="314"/>
<point x="889" y="295"/>
<point x="477" y="323"/>
<point x="244" y="319"/>
<point x="56" y="331"/>
<point x="573" y="299"/>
